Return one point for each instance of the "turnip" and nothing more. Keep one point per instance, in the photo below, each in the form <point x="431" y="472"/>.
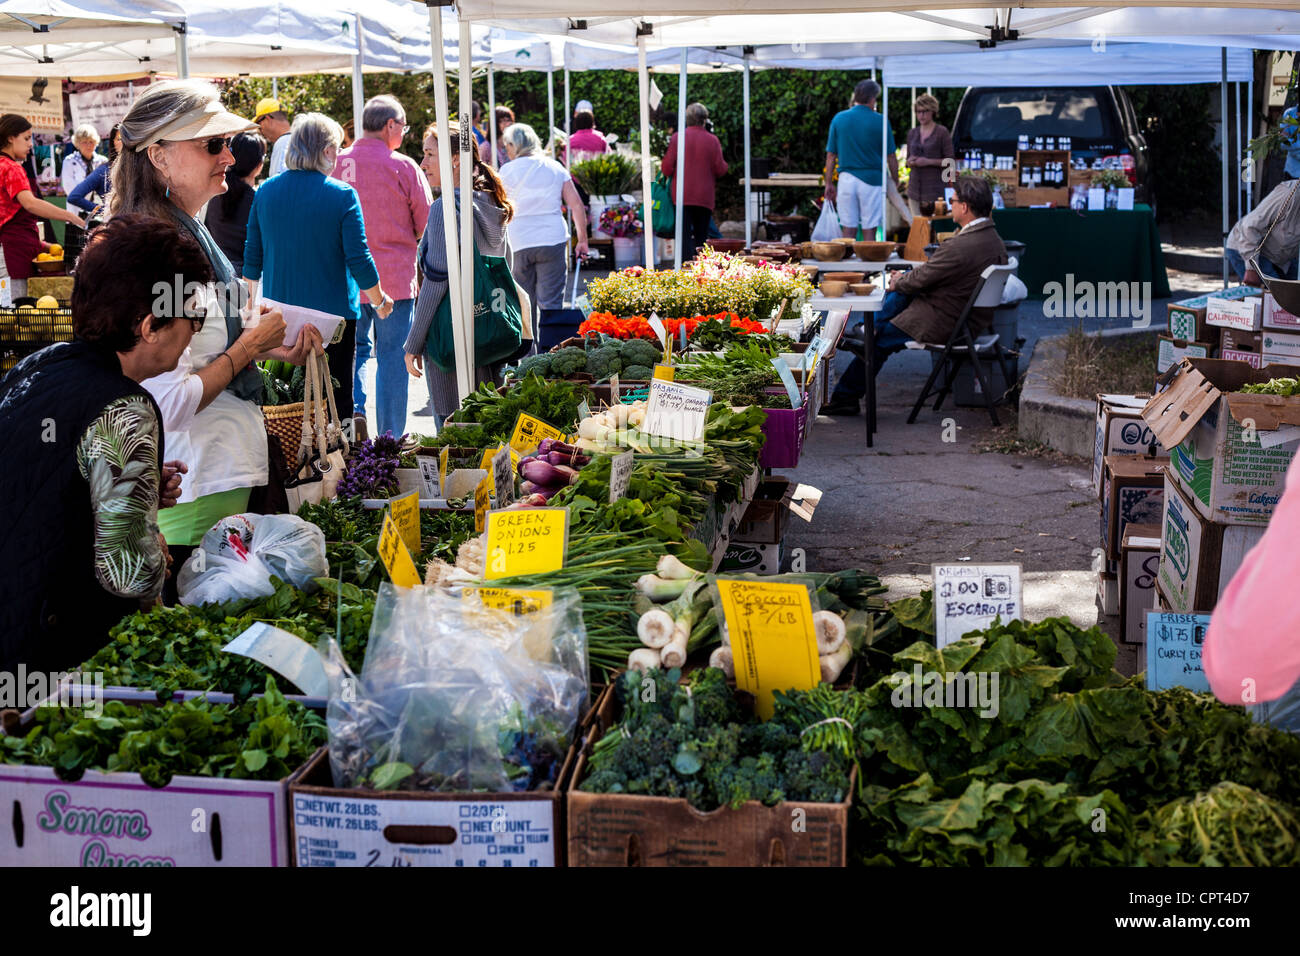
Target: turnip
<point x="830" y="632"/>
<point x="643" y="659"/>
<point x="833" y="664"/>
<point x="721" y="658"/>
<point x="655" y="628"/>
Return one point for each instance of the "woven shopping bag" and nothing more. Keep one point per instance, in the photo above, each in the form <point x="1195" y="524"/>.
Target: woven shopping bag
<point x="284" y="425"/>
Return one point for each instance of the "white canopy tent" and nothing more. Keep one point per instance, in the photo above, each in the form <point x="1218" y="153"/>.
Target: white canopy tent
<point x="41" y="37"/>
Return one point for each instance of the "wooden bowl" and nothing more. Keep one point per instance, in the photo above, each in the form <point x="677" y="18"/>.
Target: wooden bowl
<point x="829" y="251"/>
<point x="833" y="288"/>
<point x="849" y="277"/>
<point x="805" y="250"/>
<point x="48" y="265"/>
<point x="812" y="272"/>
<point x="862" y="288"/>
<point x="874" y="251"/>
<point x="843" y="240"/>
<point x="726" y="245"/>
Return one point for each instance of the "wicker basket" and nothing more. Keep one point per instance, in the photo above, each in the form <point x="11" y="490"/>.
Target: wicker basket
<point x="284" y="424"/>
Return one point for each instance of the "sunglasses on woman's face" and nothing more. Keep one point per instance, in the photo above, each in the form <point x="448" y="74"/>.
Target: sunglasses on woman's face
<point x="216" y="144"/>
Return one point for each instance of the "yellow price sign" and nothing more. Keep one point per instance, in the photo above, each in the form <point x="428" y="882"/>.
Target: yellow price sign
<point x="773" y="640"/>
<point x="486" y="463"/>
<point x="530" y="431"/>
<point x="406" y="512"/>
<point x="443" y="457"/>
<point x="482" y="498"/>
<point x="396" y="558"/>
<point x="527" y="541"/>
<point x="519" y="600"/>
<point x="665" y="372"/>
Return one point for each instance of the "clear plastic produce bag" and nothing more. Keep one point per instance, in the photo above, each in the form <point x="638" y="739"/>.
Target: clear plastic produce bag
<point x="455" y="696"/>
<point x="239" y="554"/>
<point x="828" y="224"/>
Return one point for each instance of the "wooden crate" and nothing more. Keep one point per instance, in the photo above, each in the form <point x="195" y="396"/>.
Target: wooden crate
<point x="1059" y="195"/>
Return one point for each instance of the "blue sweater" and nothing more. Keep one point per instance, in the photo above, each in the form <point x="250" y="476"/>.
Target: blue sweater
<point x="96" y="184"/>
<point x="306" y="233"/>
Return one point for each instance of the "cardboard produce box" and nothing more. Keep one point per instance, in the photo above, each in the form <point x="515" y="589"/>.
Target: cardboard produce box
<point x="619" y="829"/>
<point x="754" y="558"/>
<point x="1120" y="431"/>
<point x="1134" y="494"/>
<point x="765" y="519"/>
<point x="1140" y="564"/>
<point x="1273" y="317"/>
<point x="1243" y="313"/>
<point x="1280" y="348"/>
<point x="333" y="826"/>
<point x="116" y="819"/>
<point x="1199" y="416"/>
<point x="1253" y="359"/>
<point x="1187" y="318"/>
<point x="1198" y="557"/>
<point x="1107" y="593"/>
<point x="1239" y="341"/>
<point x="1171" y="351"/>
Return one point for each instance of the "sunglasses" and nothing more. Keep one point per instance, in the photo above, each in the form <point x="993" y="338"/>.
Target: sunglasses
<point x="216" y="144"/>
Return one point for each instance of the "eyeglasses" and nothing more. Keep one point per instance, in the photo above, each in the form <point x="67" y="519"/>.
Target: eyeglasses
<point x="215" y="145"/>
<point x="406" y="127"/>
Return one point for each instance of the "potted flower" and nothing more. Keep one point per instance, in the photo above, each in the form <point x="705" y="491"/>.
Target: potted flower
<point x="605" y="177"/>
<point x="1111" y="180"/>
<point x="621" y="221"/>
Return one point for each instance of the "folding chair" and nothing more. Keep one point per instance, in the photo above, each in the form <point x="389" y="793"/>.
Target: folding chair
<point x="963" y="346"/>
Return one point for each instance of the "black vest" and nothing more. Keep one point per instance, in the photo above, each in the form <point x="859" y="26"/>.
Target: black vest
<point x="54" y="613"/>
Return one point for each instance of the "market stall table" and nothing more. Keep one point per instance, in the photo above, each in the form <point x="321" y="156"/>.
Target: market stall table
<point x="1113" y="245"/>
<point x="861" y="265"/>
<point x="864" y="306"/>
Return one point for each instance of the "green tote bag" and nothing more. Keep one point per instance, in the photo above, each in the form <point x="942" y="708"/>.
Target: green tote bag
<point x="498" y="319"/>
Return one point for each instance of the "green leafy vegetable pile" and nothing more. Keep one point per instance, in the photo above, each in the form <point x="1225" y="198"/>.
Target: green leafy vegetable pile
<point x="715" y="335"/>
<point x="1275" y="386"/>
<point x="631" y="359"/>
<point x="262" y="739"/>
<point x="487" y="417"/>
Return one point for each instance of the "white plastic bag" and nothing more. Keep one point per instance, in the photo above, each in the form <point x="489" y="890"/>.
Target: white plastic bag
<point x="828" y="224"/>
<point x="239" y="554"/>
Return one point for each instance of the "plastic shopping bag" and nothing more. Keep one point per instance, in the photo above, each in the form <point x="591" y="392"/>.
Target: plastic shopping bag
<point x="239" y="554"/>
<point x="828" y="224"/>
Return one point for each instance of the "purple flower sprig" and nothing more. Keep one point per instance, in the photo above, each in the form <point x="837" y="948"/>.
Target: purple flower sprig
<point x="372" y="471"/>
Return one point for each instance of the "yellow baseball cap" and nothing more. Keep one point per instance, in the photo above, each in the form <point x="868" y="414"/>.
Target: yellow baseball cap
<point x="266" y="106"/>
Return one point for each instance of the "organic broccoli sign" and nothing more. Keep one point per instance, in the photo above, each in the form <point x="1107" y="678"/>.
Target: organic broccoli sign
<point x="528" y="541"/>
<point x="773" y="640"/>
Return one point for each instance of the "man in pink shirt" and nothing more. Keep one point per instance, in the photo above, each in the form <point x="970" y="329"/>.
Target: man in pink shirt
<point x="395" y="200"/>
<point x="704" y="164"/>
<point x="1252" y="650"/>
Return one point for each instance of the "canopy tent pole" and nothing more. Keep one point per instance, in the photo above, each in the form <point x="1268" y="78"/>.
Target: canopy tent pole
<point x="1250" y="134"/>
<point x="464" y="373"/>
<point x="182" y="54"/>
<point x="358" y="88"/>
<point x="568" y="121"/>
<point x="748" y="211"/>
<point x="465" y="114"/>
<point x="884" y="158"/>
<point x="643" y="94"/>
<point x="1223" y="149"/>
<point x="550" y="109"/>
<point x="1236" y="151"/>
<point x="681" y="164"/>
<point x="492" y="113"/>
<point x="275" y="87"/>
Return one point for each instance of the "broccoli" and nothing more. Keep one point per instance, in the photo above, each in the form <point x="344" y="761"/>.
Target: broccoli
<point x="640" y="352"/>
<point x="567" y="361"/>
<point x="638" y="373"/>
<point x="540" y="363"/>
<point x="604" y="362"/>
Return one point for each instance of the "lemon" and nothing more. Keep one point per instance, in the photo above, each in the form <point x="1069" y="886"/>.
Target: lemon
<point x="56" y="251"/>
<point x="47" y="302"/>
<point x="44" y="257"/>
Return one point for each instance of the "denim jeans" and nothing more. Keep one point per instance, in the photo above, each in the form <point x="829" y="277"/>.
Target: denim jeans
<point x="889" y="339"/>
<point x="1238" y="264"/>
<point x="392" y="381"/>
<point x="364" y="353"/>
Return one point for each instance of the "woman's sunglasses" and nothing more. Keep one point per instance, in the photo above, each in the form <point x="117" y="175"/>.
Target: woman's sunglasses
<point x="215" y="145"/>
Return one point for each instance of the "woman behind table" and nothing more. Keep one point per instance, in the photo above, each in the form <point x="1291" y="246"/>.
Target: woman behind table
<point x="704" y="164"/>
<point x="175" y="153"/>
<point x="492" y="210"/>
<point x="77" y="166"/>
<point x="91" y="195"/>
<point x="539" y="188"/>
<point x="21" y="205"/>
<point x="928" y="145"/>
<point x="227" y="217"/>
<point x="307" y="242"/>
<point x="79" y="540"/>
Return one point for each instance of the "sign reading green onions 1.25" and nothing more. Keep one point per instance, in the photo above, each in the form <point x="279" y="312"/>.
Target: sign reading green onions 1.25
<point x="527" y="541"/>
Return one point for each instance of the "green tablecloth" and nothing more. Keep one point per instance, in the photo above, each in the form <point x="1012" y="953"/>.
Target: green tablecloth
<point x="1109" y="246"/>
<point x="51" y="226"/>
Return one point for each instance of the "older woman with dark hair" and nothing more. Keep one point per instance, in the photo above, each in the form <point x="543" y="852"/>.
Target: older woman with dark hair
<point x="307" y="242"/>
<point x="83" y="446"/>
<point x="175" y="154"/>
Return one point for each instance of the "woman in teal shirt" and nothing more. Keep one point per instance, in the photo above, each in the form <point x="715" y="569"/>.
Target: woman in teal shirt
<point x="307" y="241"/>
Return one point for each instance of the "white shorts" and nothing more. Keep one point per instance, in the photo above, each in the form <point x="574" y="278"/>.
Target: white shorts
<point x="857" y="203"/>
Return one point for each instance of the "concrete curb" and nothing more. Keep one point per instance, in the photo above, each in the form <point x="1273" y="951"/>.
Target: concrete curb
<point x="1068" y="425"/>
<point x="1192" y="262"/>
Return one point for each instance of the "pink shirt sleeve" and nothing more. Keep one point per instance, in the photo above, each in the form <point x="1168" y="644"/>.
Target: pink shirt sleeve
<point x="1255" y="628"/>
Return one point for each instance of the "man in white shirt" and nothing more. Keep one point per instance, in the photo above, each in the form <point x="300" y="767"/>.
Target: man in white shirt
<point x="274" y="124"/>
<point x="1269" y="235"/>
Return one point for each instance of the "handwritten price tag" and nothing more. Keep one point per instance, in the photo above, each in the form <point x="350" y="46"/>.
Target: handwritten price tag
<point x="773" y="640"/>
<point x="503" y="477"/>
<point x="396" y="558"/>
<point x="521" y="601"/>
<point x="620" y="473"/>
<point x="430" y="480"/>
<point x="677" y="411"/>
<point x="482" y="498"/>
<point x="406" y="512"/>
<point x="530" y="431"/>
<point x="531" y="541"/>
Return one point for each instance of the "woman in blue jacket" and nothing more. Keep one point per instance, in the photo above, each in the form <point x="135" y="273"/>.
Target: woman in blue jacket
<point x="307" y="241"/>
<point x="98" y="182"/>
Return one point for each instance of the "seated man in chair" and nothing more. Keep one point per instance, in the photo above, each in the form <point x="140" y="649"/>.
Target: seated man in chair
<point x="924" y="304"/>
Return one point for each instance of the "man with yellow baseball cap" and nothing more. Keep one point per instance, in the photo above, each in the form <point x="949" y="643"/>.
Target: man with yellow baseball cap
<point x="274" y="124"/>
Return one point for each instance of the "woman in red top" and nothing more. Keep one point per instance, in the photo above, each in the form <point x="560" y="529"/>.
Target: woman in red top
<point x="703" y="165"/>
<point x="21" y="205"/>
